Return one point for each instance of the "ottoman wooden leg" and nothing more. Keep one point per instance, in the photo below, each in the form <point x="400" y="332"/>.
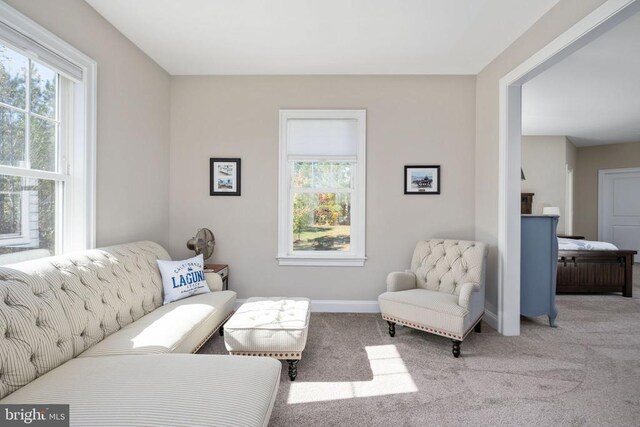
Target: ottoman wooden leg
<point x="293" y="369"/>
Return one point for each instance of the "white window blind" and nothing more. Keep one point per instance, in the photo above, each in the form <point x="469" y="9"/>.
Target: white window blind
<point x="322" y="138"/>
<point x="38" y="52"/>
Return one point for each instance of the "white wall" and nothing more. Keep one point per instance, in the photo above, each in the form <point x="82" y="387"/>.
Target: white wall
<point x="545" y="162"/>
<point x="570" y="195"/>
<point x="410" y="120"/>
<point x="132" y="124"/>
<point x="560" y="18"/>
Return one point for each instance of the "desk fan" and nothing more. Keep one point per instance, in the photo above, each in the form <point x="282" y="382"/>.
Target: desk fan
<point x="203" y="243"/>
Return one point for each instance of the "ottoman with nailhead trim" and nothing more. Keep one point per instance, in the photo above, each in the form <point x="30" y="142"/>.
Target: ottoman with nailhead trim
<point x="271" y="327"/>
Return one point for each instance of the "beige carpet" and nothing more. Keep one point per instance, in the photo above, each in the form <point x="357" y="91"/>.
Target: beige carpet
<point x="585" y="372"/>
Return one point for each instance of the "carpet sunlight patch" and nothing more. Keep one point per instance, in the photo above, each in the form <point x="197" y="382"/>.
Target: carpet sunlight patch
<point x="390" y="376"/>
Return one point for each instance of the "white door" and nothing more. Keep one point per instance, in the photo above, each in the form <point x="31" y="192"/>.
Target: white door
<point x="619" y="208"/>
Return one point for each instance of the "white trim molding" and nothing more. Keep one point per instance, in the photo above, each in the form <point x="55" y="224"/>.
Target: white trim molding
<point x="593" y="25"/>
<point x="491" y="319"/>
<point x="355" y="257"/>
<point x="336" y="306"/>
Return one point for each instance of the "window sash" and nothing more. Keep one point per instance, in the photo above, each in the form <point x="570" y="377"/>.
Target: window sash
<point x="354" y="170"/>
<point x="61" y="122"/>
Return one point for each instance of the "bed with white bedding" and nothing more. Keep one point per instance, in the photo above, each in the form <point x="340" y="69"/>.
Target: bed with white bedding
<point x="584" y="245"/>
<point x="586" y="266"/>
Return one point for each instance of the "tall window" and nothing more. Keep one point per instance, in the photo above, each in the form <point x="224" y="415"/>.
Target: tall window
<point x="322" y="187"/>
<point x="46" y="141"/>
<point x="30" y="125"/>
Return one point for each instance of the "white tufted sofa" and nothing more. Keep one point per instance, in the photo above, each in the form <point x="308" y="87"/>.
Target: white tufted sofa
<point x="443" y="293"/>
<point x="89" y="329"/>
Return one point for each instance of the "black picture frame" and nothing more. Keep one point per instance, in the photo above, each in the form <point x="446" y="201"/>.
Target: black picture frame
<point x="224" y="176"/>
<point x="425" y="179"/>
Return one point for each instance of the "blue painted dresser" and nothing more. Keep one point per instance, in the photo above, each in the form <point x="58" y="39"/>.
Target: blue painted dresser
<point x="539" y="266"/>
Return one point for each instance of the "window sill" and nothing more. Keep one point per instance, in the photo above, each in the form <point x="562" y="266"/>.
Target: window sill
<point x="289" y="260"/>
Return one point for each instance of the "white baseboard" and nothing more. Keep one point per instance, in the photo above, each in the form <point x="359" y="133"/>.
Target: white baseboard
<point x="491" y="319"/>
<point x="337" y="306"/>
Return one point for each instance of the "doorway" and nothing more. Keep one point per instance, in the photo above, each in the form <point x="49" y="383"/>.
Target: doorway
<point x="619" y="208"/>
<point x="607" y="16"/>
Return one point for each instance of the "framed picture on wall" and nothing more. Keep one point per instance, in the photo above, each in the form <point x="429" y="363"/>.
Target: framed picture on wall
<point x="423" y="179"/>
<point x="224" y="177"/>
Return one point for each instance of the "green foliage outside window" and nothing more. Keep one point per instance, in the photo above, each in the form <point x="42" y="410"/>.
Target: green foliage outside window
<point x="321" y="219"/>
<point x="14" y="70"/>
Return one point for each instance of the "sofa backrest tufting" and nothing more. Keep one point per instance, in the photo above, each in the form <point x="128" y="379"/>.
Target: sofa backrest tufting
<point x="53" y="309"/>
<point x="445" y="265"/>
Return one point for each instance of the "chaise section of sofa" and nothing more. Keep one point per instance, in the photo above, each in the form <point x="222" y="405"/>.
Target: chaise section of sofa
<point x="89" y="329"/>
<point x="155" y="390"/>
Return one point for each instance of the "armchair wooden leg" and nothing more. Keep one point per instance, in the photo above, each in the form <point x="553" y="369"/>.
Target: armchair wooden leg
<point x="392" y="328"/>
<point x="478" y="327"/>
<point x="456" y="348"/>
<point x="221" y="331"/>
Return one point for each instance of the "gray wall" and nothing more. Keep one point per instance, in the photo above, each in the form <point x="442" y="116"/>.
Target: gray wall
<point x="560" y="18"/>
<point x="589" y="161"/>
<point x="133" y="122"/>
<point x="410" y="120"/>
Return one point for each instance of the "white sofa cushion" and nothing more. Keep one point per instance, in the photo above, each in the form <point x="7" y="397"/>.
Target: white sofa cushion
<point x="179" y="327"/>
<point x="434" y="309"/>
<point x="268" y="325"/>
<point x="167" y="389"/>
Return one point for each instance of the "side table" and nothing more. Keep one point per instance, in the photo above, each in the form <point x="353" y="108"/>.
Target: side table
<point x="223" y="272"/>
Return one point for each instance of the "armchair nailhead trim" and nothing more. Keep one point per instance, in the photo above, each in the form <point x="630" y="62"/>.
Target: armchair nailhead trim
<point x="423" y="328"/>
<point x="431" y="330"/>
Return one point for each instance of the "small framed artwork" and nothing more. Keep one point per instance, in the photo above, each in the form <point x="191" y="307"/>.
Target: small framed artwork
<point x="422" y="179"/>
<point x="224" y="176"/>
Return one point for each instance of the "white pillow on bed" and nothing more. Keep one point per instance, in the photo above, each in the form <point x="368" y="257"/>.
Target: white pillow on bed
<point x="182" y="279"/>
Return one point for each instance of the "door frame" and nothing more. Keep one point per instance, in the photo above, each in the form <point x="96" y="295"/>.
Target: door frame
<point x="605" y="17"/>
<point x="601" y="175"/>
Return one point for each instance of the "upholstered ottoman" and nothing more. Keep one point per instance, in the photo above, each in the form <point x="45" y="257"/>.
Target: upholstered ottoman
<point x="273" y="327"/>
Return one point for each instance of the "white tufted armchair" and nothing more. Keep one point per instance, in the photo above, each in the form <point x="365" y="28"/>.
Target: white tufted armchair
<point x="443" y="293"/>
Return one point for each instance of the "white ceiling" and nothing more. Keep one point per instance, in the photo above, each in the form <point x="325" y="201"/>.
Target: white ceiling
<point x="322" y="36"/>
<point x="593" y="95"/>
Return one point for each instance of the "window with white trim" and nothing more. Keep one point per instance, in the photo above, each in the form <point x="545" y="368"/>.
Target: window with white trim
<point x="322" y="187"/>
<point x="47" y="141"/>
